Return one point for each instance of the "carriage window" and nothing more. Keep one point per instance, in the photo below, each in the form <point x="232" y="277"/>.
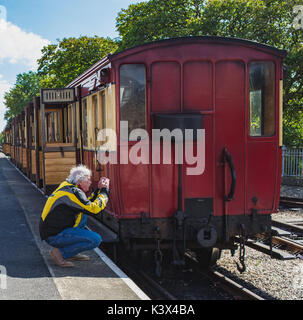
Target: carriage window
<point x="132" y="95"/>
<point x="102" y="139"/>
<point x="103" y="112"/>
<point x="53" y="126"/>
<point x="24" y="132"/>
<point x="84" y="121"/>
<point x="32" y="130"/>
<point x="19" y="134"/>
<point x="95" y="108"/>
<point x="96" y="117"/>
<point x="262" y="98"/>
<point x="68" y="125"/>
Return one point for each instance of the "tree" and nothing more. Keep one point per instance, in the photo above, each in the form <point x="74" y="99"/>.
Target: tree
<point x="154" y="20"/>
<point x="59" y="64"/>
<point x="25" y="88"/>
<point x="63" y="62"/>
<point x="265" y="21"/>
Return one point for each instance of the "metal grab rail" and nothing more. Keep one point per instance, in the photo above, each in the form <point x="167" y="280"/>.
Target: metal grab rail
<point x="228" y="159"/>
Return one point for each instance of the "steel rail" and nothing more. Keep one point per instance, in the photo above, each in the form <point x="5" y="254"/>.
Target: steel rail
<point x="288" y="225"/>
<point x="236" y="289"/>
<point x="291" y="202"/>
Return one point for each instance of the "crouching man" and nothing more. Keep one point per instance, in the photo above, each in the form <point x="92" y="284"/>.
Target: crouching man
<point x="63" y="220"/>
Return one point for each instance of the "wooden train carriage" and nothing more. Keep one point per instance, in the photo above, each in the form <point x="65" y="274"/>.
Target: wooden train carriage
<point x="6" y="145"/>
<point x="58" y="130"/>
<point x="231" y="89"/>
<point x="29" y="140"/>
<point x="18" y="146"/>
<point x="34" y="142"/>
<point x="14" y="140"/>
<point x="23" y="147"/>
<point x="20" y="140"/>
<point x="96" y="114"/>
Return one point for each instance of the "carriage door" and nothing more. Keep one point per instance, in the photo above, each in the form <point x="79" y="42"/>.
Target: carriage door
<point x="134" y="168"/>
<point x="262" y="146"/>
<point x="229" y="138"/>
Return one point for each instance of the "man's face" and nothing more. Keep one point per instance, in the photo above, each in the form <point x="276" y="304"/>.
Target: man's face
<point x="85" y="184"/>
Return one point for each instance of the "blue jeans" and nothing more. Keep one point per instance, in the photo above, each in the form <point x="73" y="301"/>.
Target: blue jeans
<point x="72" y="241"/>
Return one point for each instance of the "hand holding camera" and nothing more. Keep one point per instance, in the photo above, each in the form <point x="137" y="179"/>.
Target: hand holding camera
<point x="103" y="183"/>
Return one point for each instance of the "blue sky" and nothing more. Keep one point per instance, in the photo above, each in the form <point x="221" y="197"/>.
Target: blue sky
<point x="27" y="25"/>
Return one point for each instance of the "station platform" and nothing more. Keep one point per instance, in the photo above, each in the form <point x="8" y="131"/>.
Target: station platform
<point x="26" y="270"/>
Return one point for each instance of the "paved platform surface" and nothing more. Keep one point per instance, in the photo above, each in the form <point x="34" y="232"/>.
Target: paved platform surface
<point x="24" y="258"/>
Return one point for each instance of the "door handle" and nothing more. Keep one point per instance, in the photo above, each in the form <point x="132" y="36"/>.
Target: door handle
<point x="228" y="159"/>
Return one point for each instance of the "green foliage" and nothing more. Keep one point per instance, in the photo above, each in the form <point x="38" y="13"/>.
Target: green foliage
<point x="63" y="62"/>
<point x="154" y="20"/>
<point x="293" y="132"/>
<point x="59" y="64"/>
<point x="25" y="88"/>
<point x="265" y="21"/>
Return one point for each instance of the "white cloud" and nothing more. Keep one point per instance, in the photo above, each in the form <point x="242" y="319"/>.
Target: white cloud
<point x="18" y="46"/>
<point x="4" y="87"/>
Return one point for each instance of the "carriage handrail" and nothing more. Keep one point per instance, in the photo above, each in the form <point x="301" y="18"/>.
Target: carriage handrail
<point x="228" y="158"/>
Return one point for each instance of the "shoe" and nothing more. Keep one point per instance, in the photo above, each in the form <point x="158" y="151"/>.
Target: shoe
<point x="79" y="257"/>
<point x="59" y="260"/>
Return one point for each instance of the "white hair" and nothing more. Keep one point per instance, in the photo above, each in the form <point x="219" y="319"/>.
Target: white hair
<point x="78" y="174"/>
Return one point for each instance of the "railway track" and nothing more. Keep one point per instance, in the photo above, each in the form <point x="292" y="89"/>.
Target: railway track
<point x="291" y="202"/>
<point x="286" y="241"/>
<point x="236" y="289"/>
<point x="210" y="278"/>
<point x="188" y="282"/>
<point x="292" y="238"/>
<point x="287" y="236"/>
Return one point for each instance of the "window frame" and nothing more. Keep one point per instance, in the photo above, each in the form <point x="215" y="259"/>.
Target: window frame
<point x="59" y="124"/>
<point x="145" y="101"/>
<point x="263" y="107"/>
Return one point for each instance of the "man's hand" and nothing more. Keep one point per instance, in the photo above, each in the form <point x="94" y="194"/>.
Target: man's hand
<point x="103" y="183"/>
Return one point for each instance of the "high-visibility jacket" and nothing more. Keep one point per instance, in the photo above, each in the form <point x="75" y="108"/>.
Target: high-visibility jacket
<point x="66" y="205"/>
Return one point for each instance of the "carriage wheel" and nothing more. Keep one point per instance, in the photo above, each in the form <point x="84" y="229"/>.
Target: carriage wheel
<point x="207" y="258"/>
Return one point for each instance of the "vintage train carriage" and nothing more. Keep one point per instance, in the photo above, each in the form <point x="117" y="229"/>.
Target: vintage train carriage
<point x="188" y="130"/>
<point x="58" y="141"/>
<point x="32" y="128"/>
<point x="23" y="147"/>
<point x="6" y="144"/>
<point x="15" y="139"/>
<point x="230" y="89"/>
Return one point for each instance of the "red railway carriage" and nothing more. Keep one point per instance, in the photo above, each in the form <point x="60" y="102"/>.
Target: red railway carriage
<point x="229" y="88"/>
<point x="188" y="130"/>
